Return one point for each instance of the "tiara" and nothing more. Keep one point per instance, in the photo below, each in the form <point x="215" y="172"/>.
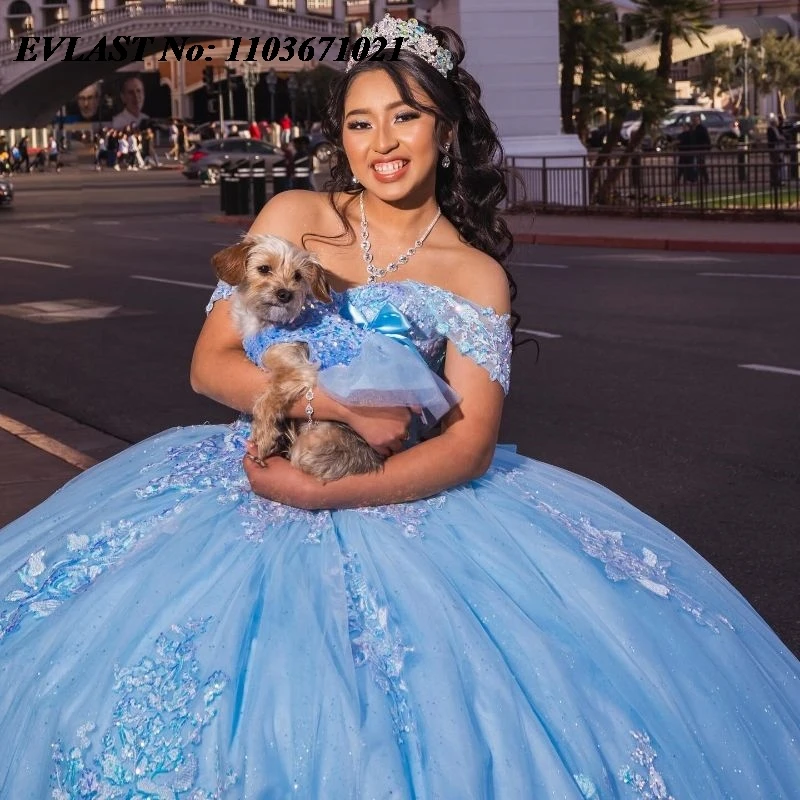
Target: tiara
<point x="414" y="39"/>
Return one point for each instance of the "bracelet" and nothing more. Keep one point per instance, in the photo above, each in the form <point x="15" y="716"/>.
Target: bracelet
<point x="310" y="421"/>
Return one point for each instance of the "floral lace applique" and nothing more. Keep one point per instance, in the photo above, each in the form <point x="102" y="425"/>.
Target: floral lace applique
<point x="158" y="722"/>
<point x="620" y="563"/>
<point x="650" y="785"/>
<point x="46" y="588"/>
<point x="373" y="644"/>
<point x="478" y="332"/>
<point x="215" y="464"/>
<point x="409" y="516"/>
<point x="222" y="292"/>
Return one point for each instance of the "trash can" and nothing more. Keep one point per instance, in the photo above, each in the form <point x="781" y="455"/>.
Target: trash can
<point x="280" y="176"/>
<point x="258" y="186"/>
<point x="228" y="192"/>
<point x="244" y="174"/>
<point x="235" y="189"/>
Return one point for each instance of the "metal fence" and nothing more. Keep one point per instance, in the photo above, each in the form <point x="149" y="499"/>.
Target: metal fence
<point x="757" y="182"/>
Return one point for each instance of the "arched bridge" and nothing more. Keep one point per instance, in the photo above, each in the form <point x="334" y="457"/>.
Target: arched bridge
<point x="31" y="91"/>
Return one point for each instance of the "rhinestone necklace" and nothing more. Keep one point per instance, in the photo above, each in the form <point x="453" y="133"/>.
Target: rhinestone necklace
<point x="366" y="246"/>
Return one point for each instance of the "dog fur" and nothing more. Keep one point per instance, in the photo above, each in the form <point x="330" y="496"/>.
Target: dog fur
<point x="273" y="280"/>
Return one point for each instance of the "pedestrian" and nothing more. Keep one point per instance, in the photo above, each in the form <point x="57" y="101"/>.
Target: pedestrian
<point x="174" y="151"/>
<point x="100" y="150"/>
<point x="701" y="145"/>
<point x="53" y="154"/>
<point x="776" y="144"/>
<point x="286" y="129"/>
<point x="24" y="164"/>
<point x="686" y="170"/>
<point x="464" y="623"/>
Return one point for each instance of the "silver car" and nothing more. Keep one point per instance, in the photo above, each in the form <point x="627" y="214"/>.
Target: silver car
<point x="213" y="156"/>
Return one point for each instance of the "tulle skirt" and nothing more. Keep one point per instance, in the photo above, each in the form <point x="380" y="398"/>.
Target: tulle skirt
<point x="164" y="633"/>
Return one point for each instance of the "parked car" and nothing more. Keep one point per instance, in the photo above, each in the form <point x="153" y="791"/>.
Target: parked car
<point x="320" y="147"/>
<point x="208" y="130"/>
<point x="214" y="155"/>
<point x="6" y="192"/>
<point x="723" y="128"/>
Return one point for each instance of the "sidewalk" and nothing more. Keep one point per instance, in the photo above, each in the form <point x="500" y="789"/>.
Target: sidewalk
<point x="656" y="233"/>
<point x="42" y="450"/>
<point x="641" y="233"/>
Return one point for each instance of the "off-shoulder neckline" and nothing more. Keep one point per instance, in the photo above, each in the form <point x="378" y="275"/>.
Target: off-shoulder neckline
<point x="410" y="281"/>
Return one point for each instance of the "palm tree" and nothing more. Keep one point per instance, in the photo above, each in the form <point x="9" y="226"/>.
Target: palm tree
<point x="589" y="38"/>
<point x="670" y="20"/>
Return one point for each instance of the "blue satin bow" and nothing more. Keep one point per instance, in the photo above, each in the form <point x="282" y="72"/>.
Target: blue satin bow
<point x="389" y="321"/>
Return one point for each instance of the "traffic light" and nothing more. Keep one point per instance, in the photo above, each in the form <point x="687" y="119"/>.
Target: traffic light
<point x="208" y="78"/>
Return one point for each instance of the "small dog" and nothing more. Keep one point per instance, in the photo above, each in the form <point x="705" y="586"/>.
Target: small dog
<point x="273" y="281"/>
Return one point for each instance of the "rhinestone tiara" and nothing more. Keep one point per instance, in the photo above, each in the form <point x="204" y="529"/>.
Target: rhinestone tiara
<point x="415" y="39"/>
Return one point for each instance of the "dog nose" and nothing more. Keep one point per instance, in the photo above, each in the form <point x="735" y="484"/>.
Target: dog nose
<point x="283" y="295"/>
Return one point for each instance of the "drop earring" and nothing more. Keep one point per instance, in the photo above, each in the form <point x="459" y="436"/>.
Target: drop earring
<point x="446" y="156"/>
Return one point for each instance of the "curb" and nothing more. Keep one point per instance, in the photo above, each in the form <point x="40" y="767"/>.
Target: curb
<point x="615" y="242"/>
<point x="657" y="243"/>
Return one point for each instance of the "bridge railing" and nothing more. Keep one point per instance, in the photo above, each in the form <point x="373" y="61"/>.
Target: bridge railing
<point x="202" y="9"/>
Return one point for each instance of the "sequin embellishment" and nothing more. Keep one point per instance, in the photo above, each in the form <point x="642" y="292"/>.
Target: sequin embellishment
<point x="621" y="564"/>
<point x="373" y="644"/>
<point x="650" y="785"/>
<point x="148" y="752"/>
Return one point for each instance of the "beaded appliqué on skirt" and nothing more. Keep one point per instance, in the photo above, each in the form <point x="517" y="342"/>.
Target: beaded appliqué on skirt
<point x="149" y="750"/>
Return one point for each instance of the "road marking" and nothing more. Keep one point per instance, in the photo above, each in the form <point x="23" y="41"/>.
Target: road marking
<point x="46" y="226"/>
<point x="656" y="257"/>
<point x="536" y="264"/>
<point x="46" y="443"/>
<point x="51" y="312"/>
<point x="749" y="275"/>
<point x="32" y="261"/>
<point x="137" y="236"/>
<point x="174" y="283"/>
<point x="543" y="334"/>
<point x="766" y="368"/>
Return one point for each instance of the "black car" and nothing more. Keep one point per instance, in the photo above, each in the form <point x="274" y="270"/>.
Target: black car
<point x="6" y="192"/>
<point x="212" y="156"/>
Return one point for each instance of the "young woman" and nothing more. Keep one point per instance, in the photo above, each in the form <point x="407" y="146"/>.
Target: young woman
<point x="466" y="623"/>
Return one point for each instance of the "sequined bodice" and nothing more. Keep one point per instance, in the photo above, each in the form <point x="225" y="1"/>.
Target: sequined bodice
<point x="426" y="316"/>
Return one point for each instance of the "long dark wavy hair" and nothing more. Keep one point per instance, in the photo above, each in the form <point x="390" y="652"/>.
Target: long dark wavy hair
<point x="470" y="190"/>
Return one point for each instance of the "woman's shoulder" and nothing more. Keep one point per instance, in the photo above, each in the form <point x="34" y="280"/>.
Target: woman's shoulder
<point x="477" y="277"/>
<point x="296" y="213"/>
<point x="290" y="214"/>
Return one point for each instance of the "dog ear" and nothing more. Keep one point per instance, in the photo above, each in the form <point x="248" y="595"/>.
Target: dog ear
<point x="318" y="280"/>
<point x="230" y="263"/>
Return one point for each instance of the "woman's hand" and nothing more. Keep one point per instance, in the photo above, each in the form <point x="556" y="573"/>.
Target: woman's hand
<point x="276" y="479"/>
<point x="384" y="429"/>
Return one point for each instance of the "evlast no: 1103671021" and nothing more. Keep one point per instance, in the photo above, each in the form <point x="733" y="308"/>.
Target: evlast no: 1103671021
<point x="134" y="48"/>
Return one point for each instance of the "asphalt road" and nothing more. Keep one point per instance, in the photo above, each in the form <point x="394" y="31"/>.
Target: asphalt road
<point x="638" y="384"/>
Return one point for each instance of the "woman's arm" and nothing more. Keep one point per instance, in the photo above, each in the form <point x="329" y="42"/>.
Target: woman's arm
<point x="462" y="452"/>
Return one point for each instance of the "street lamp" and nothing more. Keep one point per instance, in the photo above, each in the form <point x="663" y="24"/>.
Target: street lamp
<point x="305" y="89"/>
<point x="251" y="77"/>
<point x="291" y="85"/>
<point x="272" y="82"/>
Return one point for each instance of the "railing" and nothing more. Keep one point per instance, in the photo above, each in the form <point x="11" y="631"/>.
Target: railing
<point x="199" y="9"/>
<point x="755" y="181"/>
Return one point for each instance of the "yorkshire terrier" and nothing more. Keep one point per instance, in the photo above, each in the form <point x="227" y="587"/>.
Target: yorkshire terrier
<point x="273" y="279"/>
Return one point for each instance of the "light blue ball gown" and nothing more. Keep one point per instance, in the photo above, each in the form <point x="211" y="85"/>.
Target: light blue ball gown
<point x="165" y="633"/>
